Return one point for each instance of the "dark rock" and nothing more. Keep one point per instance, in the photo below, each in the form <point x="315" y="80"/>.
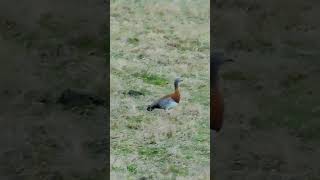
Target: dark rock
<point x="135" y="93"/>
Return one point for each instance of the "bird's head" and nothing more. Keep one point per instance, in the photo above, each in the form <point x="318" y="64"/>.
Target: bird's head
<point x="217" y="59"/>
<point x="177" y="81"/>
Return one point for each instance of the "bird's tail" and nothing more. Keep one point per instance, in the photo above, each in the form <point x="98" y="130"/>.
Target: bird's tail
<point x="150" y="108"/>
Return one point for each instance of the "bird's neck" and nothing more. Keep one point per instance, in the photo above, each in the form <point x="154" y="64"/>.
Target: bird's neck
<point x="176" y="95"/>
<point x="177" y="91"/>
<point x="176" y="85"/>
<point x="215" y="78"/>
<point x="215" y="83"/>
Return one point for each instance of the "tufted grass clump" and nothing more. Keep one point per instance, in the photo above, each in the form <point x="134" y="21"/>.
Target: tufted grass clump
<point x="292" y="79"/>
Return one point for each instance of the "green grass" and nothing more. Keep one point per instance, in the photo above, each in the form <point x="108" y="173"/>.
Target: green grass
<point x="152" y="43"/>
<point x="234" y="76"/>
<point x="292" y="79"/>
<point x="294" y="109"/>
<point x="151" y="78"/>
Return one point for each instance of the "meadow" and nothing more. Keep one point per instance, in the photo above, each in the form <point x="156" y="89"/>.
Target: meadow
<point x="271" y="128"/>
<point x="152" y="43"/>
<point x="47" y="49"/>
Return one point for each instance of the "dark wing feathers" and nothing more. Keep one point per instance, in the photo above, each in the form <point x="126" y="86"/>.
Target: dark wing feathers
<point x="161" y="103"/>
<point x="166" y="102"/>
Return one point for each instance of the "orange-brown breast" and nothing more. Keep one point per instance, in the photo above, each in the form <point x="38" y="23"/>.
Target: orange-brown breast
<point x="176" y="96"/>
<point x="216" y="109"/>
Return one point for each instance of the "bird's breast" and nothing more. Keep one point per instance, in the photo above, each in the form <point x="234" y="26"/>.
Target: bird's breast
<point x="176" y="96"/>
<point x="217" y="109"/>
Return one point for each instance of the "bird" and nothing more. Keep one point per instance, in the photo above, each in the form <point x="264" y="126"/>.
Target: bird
<point x="169" y="101"/>
<point x="216" y="98"/>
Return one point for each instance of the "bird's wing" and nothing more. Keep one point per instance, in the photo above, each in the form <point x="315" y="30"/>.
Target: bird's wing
<point x="157" y="101"/>
<point x="167" y="103"/>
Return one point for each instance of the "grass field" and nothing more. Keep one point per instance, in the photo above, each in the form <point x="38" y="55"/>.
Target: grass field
<point x="271" y="127"/>
<point x="152" y="43"/>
